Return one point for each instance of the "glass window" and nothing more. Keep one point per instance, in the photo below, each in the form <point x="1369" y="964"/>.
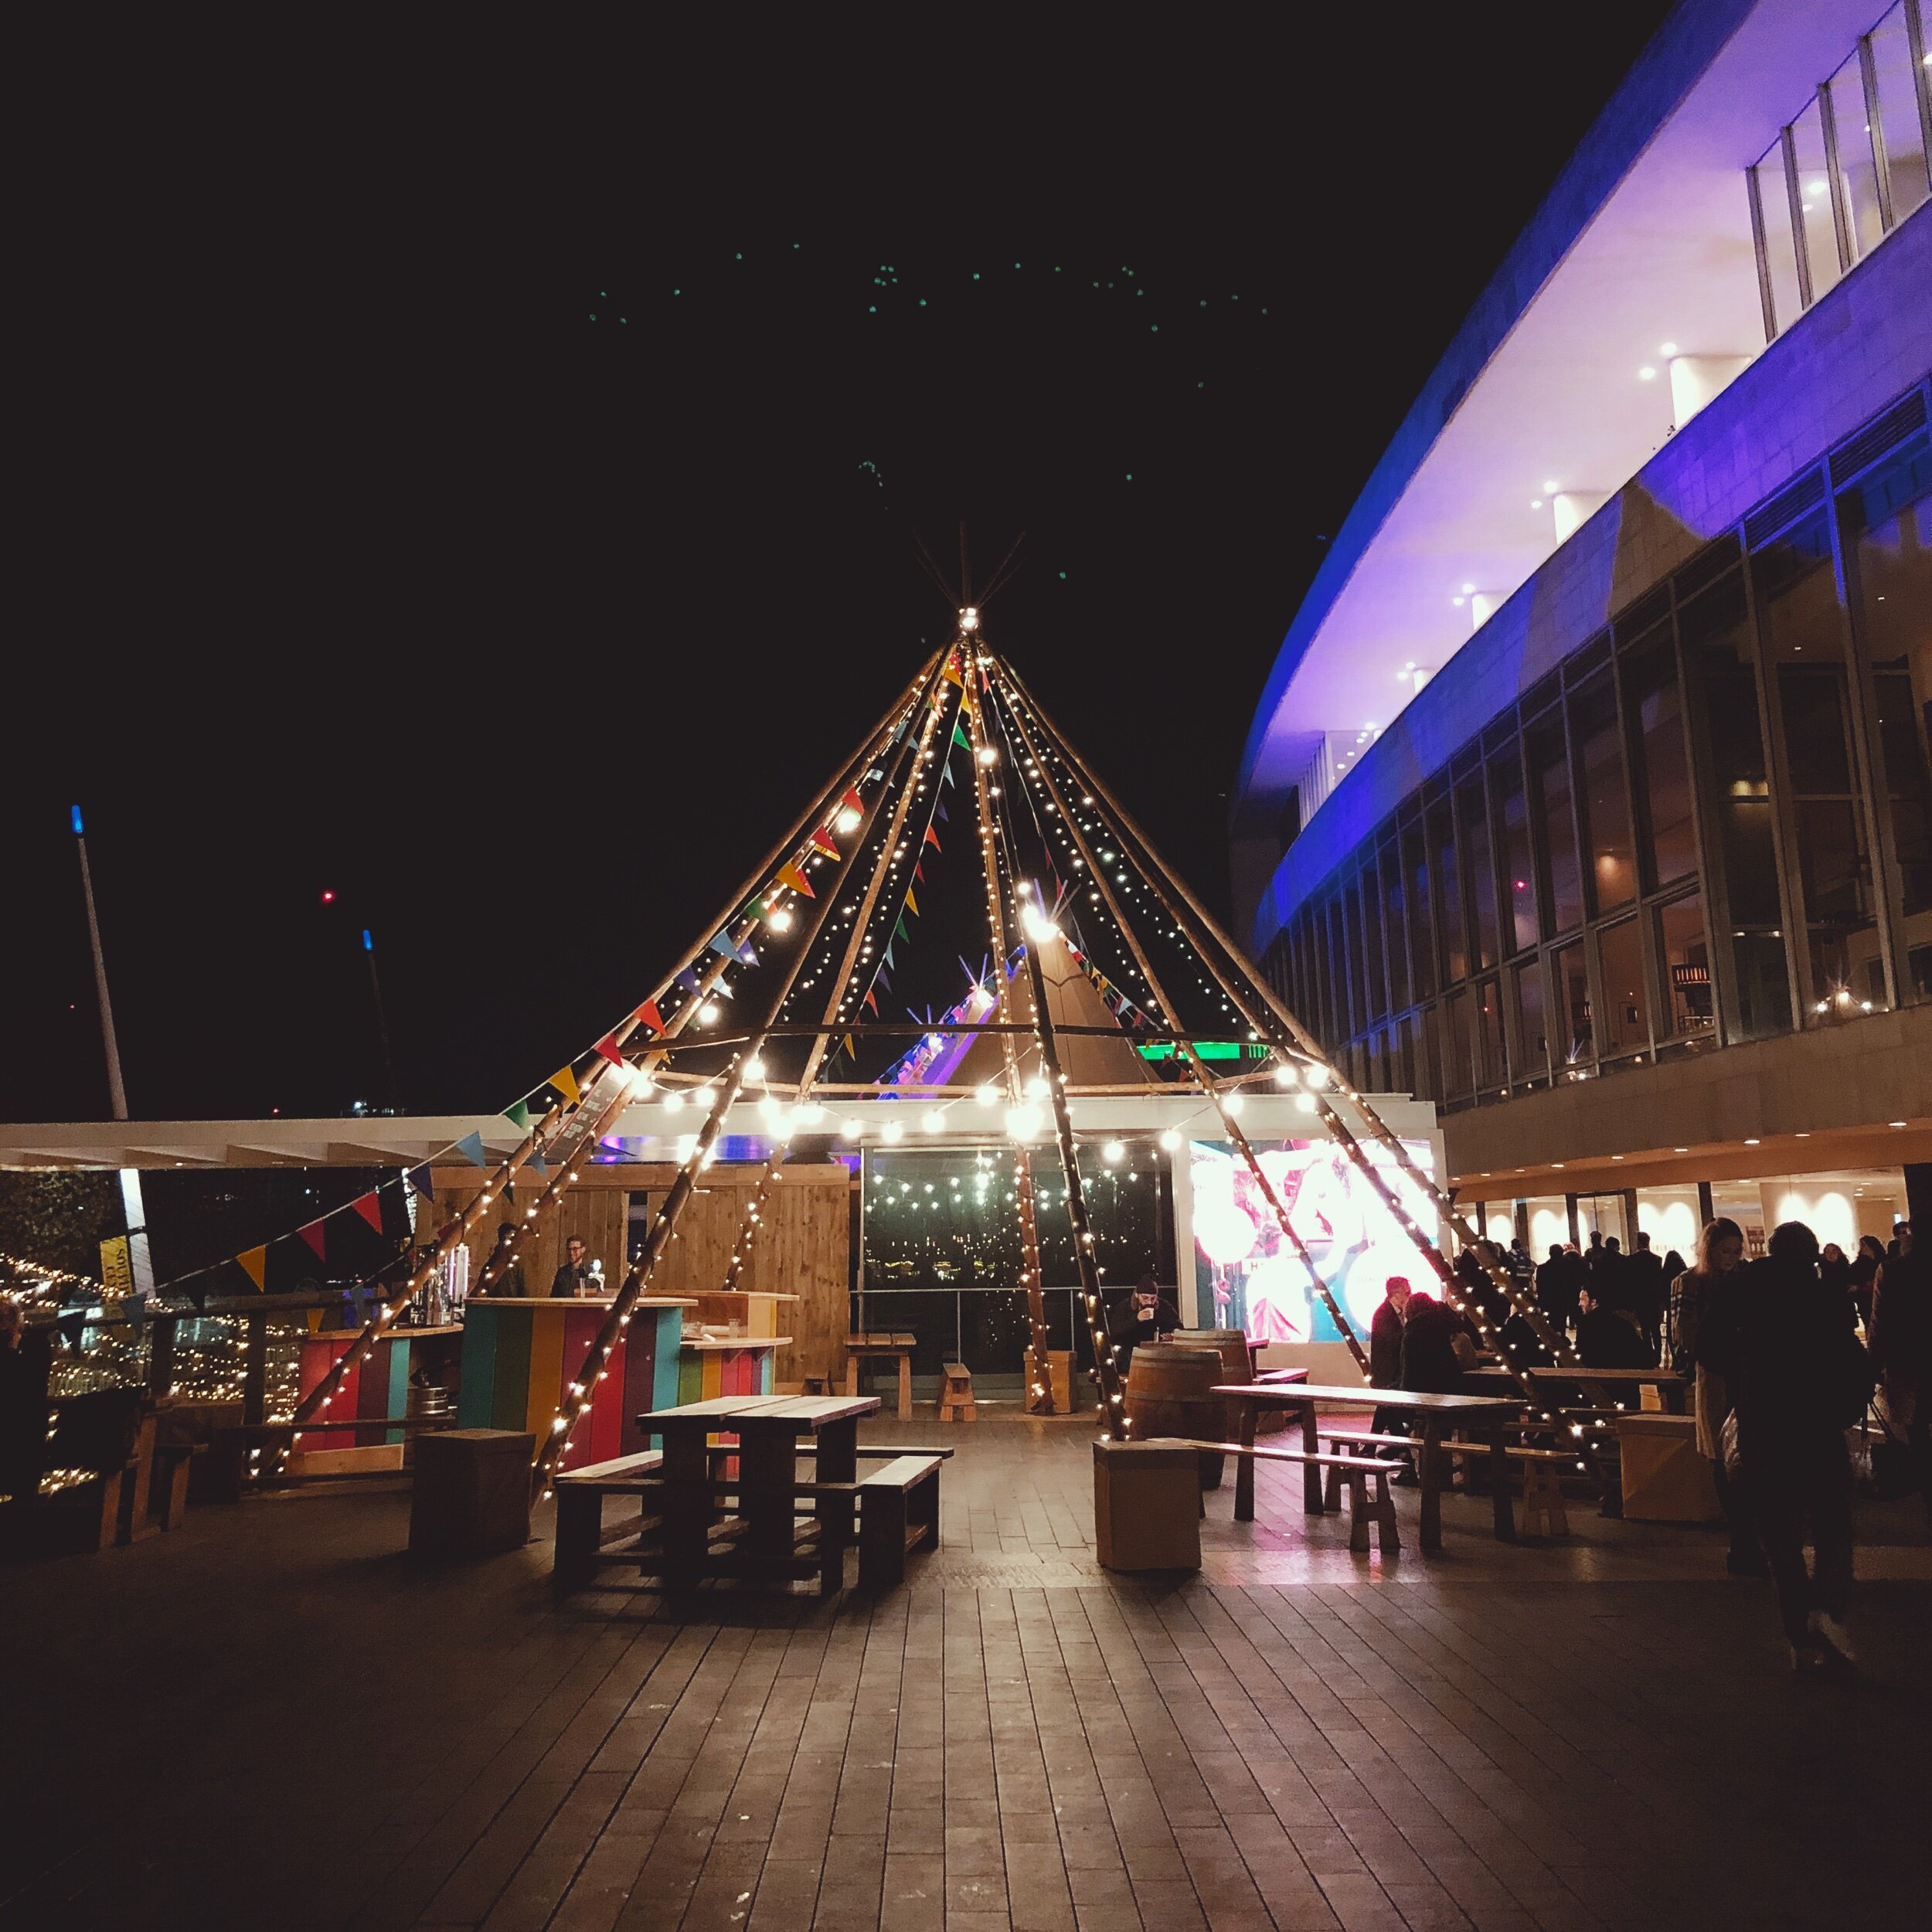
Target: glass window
<point x="1455" y="1046"/>
<point x="1887" y="524"/>
<point x="1519" y="865"/>
<point x="1428" y="1068"/>
<point x="1490" y="1070"/>
<point x="1371" y="942"/>
<point x="1903" y="133"/>
<point x="1392" y="927"/>
<point x="1422" y="942"/>
<point x="1574" y="1038"/>
<point x="1779" y="264"/>
<point x="1563" y="894"/>
<point x="1402" y="1059"/>
<point x="1472" y="834"/>
<point x="1815" y="198"/>
<point x="1532" y="1052"/>
<point x="1857" y="168"/>
<point x="1763" y="984"/>
<point x="1663" y="784"/>
<point x="1804" y="641"/>
<point x="1626" y="1021"/>
<point x="1684" y="955"/>
<point x="1599" y="755"/>
<point x="1340" y="1026"/>
<point x="1447" y="886"/>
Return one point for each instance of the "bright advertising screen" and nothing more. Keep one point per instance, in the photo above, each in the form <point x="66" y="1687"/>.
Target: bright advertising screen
<point x="1247" y="1270"/>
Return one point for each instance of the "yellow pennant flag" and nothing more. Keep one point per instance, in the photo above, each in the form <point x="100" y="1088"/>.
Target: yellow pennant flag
<point x="565" y="1081"/>
<point x="912" y="904"/>
<point x="789" y="875"/>
<point x="255" y="1263"/>
<point x="951" y="673"/>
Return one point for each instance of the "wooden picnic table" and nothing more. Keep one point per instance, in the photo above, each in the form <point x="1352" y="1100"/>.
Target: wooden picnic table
<point x="1484" y="1416"/>
<point x="768" y="1429"/>
<point x="1669" y="1385"/>
<point x="876" y="1344"/>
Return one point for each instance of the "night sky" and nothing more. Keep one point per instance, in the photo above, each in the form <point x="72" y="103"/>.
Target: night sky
<point x="507" y="533"/>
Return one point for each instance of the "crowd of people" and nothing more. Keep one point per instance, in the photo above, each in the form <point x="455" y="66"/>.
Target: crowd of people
<point x="1784" y="1352"/>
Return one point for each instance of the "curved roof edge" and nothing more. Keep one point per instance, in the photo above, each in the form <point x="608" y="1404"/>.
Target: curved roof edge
<point x="1658" y="81"/>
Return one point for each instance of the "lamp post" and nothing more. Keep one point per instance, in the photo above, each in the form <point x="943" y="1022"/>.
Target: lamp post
<point x="382" y="1020"/>
<point x="116" y="1093"/>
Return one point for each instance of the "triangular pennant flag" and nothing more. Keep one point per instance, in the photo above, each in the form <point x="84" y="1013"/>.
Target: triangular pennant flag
<point x="369" y="1206"/>
<point x="649" y="1013"/>
<point x="565" y="1081"/>
<point x="945" y="818"/>
<point x="884" y="979"/>
<point x="889" y="952"/>
<point x="537" y="1164"/>
<point x="849" y="1048"/>
<point x="517" y="1116"/>
<point x="919" y="872"/>
<point x="932" y="839"/>
<point x="946" y="770"/>
<point x="899" y="931"/>
<point x="420" y="1178"/>
<point x="912" y="904"/>
<point x="688" y="979"/>
<point x="720" y="944"/>
<point x="790" y="875"/>
<point x="871" y="1002"/>
<point x="72" y="1327"/>
<point x="470" y="1148"/>
<point x="960" y="736"/>
<point x="951" y="673"/>
<point x="608" y="1046"/>
<point x="746" y="955"/>
<point x="254" y="1263"/>
<point x="853" y="802"/>
<point x="821" y="842"/>
<point x="311" y="1232"/>
<point x="720" y="987"/>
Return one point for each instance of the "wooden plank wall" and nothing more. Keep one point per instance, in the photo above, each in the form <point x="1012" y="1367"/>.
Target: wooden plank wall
<point x="803" y="1247"/>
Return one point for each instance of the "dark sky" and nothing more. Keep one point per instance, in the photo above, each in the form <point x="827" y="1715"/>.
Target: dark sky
<point x="384" y="568"/>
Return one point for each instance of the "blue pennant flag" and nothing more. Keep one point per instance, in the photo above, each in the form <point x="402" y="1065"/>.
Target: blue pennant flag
<point x="889" y="952"/>
<point x="720" y="944"/>
<point x="419" y="1178"/>
<point x="470" y="1148"/>
<point x="947" y="769"/>
<point x="943" y="818"/>
<point x="688" y="979"/>
<point x="537" y="1164"/>
<point x="746" y="954"/>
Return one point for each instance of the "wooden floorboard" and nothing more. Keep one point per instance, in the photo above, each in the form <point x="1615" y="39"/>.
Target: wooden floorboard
<point x="274" y="1717"/>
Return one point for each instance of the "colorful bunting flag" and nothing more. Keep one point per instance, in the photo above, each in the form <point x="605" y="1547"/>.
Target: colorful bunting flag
<point x="853" y="802"/>
<point x="946" y="770"/>
<point x="420" y="1178"/>
<point x="519" y="1117"/>
<point x="932" y="839"/>
<point x="649" y="1013"/>
<point x="608" y="1047"/>
<point x="311" y="1232"/>
<point x="720" y="944"/>
<point x="470" y="1148"/>
<point x="746" y="955"/>
<point x="871" y="1002"/>
<point x="369" y="1206"/>
<point x="912" y="904"/>
<point x="565" y="1081"/>
<point x="537" y="1164"/>
<point x="951" y="673"/>
<point x="254" y="1263"/>
<point x="688" y="979"/>
<point x="849" y="1048"/>
<point x="960" y="736"/>
<point x="944" y="817"/>
<point x="821" y="842"/>
<point x="790" y="875"/>
<point x="919" y="872"/>
<point x="899" y="931"/>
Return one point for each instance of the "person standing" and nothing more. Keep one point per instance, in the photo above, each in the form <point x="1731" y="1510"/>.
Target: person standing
<point x="1693" y="1293"/>
<point x="1865" y="1269"/>
<point x="1799" y="1378"/>
<point x="1557" y="1281"/>
<point x="509" y="1282"/>
<point x="26" y="1364"/>
<point x="1644" y="1287"/>
<point x="1429" y="1363"/>
<point x="573" y="1278"/>
<point x="1901" y="1333"/>
<point x="1385" y="1353"/>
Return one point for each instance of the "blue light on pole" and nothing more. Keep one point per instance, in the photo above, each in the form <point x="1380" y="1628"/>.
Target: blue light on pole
<point x="75" y="811"/>
<point x="369" y="945"/>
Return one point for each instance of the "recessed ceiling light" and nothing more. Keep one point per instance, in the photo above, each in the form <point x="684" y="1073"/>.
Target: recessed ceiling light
<point x="1646" y="374"/>
<point x="1469" y="589"/>
<point x="1750" y="1140"/>
<point x="1667" y="348"/>
<point x="1895" y="1122"/>
<point x="1535" y="503"/>
<point x="1458" y="602"/>
<point x="1617" y="1157"/>
<point x="1680" y="1150"/>
<point x="1549" y="489"/>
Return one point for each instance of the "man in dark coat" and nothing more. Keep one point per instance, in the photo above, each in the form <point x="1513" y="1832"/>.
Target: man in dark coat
<point x="1429" y="1363"/>
<point x="1557" y="1281"/>
<point x="574" y="1277"/>
<point x="1606" y="1339"/>
<point x="1146" y="1315"/>
<point x="1645" y="1285"/>
<point x="1799" y="1378"/>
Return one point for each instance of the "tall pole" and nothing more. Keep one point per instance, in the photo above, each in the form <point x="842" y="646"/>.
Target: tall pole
<point x="116" y="1093"/>
<point x="382" y="1020"/>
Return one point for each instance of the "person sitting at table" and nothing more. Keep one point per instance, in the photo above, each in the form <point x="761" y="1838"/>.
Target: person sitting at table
<point x="510" y="1281"/>
<point x="1605" y="1338"/>
<point x="1146" y="1315"/>
<point x="573" y="1277"/>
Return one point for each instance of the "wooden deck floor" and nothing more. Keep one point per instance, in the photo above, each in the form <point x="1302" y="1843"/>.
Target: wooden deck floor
<point x="273" y="1719"/>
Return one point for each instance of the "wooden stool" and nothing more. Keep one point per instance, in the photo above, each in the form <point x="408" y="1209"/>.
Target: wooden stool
<point x="1543" y="1493"/>
<point x="956" y="1394"/>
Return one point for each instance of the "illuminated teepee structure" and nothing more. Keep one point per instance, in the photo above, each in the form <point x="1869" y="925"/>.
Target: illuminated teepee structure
<point x="1095" y="951"/>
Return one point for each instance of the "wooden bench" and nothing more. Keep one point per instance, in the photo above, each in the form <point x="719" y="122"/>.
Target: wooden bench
<point x="1356" y="1471"/>
<point x="583" y="1544"/>
<point x="1543" y="1514"/>
<point x="898" y="1512"/>
<point x="956" y="1393"/>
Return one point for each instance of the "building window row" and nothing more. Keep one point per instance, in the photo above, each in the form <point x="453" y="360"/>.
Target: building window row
<point x="1713" y="823"/>
<point x="1853" y="164"/>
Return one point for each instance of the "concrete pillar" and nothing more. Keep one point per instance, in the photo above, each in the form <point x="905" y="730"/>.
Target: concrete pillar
<point x="1694" y="379"/>
<point x="1573" y="508"/>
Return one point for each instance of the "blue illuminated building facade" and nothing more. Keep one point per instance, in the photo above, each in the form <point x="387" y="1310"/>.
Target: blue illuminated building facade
<point x="1599" y="746"/>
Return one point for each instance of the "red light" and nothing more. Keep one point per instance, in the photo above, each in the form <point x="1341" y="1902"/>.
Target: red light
<point x="328" y="899"/>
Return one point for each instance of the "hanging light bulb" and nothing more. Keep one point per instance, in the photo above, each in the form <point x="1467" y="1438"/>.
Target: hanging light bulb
<point x="1170" y="1140"/>
<point x="673" y="1101"/>
<point x="1114" y="1153"/>
<point x="778" y="920"/>
<point x="987" y="755"/>
<point x="935" y="1122"/>
<point x="988" y="1096"/>
<point x="754" y="1068"/>
<point x="895" y="1131"/>
<point x="848" y="820"/>
<point x="707" y="1013"/>
<point x="849" y="1130"/>
<point x="1234" y="1102"/>
<point x="1286" y="1074"/>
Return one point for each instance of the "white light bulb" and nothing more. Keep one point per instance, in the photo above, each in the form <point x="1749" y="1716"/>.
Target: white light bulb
<point x="778" y="920"/>
<point x="1169" y="1139"/>
<point x="848" y="820"/>
<point x="1305" y="1102"/>
<point x="849" y="1130"/>
<point x="895" y="1131"/>
<point x="988" y="1096"/>
<point x="1287" y="1075"/>
<point x="1114" y="1152"/>
<point x="673" y="1101"/>
<point x="935" y="1122"/>
<point x="1234" y="1103"/>
<point x="707" y="1013"/>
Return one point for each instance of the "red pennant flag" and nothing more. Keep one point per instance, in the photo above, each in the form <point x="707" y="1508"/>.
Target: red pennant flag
<point x="608" y="1046"/>
<point x="312" y="1234"/>
<point x="821" y="842"/>
<point x="789" y="875"/>
<point x="919" y="872"/>
<point x="369" y="1206"/>
<point x="871" y="1000"/>
<point x="649" y="1013"/>
<point x="853" y="802"/>
<point x="932" y="839"/>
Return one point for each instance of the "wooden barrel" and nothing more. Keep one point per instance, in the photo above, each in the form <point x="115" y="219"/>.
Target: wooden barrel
<point x="1237" y="1364"/>
<point x="1167" y="1395"/>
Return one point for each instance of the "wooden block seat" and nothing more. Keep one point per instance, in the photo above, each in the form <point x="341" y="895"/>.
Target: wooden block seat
<point x="1356" y="1471"/>
<point x="1542" y="1487"/>
<point x="583" y="1544"/>
<point x="956" y="1402"/>
<point x="898" y="1512"/>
